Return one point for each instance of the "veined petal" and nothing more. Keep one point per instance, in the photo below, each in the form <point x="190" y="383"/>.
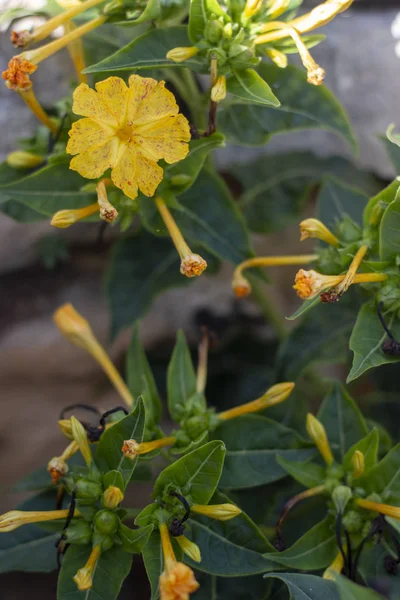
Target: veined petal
<point x="114" y="94"/>
<point x="174" y="126"/>
<point x="158" y="104"/>
<point x="123" y="174"/>
<point x="88" y="103"/>
<point x="94" y="162"/>
<point x="165" y="139"/>
<point x="149" y="175"/>
<point x="139" y="90"/>
<point x="85" y="134"/>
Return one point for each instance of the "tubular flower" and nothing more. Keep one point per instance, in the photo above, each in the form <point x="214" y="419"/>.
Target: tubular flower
<point x="220" y="512"/>
<point x="58" y="467"/>
<point x="177" y="581"/>
<point x="107" y="212"/>
<point x="189" y="548"/>
<point x="65" y="218"/>
<point x="384" y="509"/>
<point x="127" y="129"/>
<point x="313" y="228"/>
<point x="17" y="74"/>
<point x="309" y="284"/>
<point x="181" y="54"/>
<point x="15" y="518"/>
<point x="84" y="577"/>
<point x="317" y="433"/>
<point x="274" y="395"/>
<point x="131" y="448"/>
<point x="344" y="285"/>
<point x="335" y="567"/>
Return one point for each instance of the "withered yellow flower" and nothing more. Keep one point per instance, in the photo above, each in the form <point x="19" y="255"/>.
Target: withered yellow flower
<point x="127" y="129"/>
<point x="177" y="581"/>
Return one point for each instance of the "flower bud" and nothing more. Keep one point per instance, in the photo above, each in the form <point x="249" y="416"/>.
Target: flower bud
<point x="57" y="468"/>
<point x="317" y="433"/>
<point x="241" y="286"/>
<point x="181" y="54"/>
<point x="251" y="8"/>
<point x="112" y="497"/>
<point x="80" y="437"/>
<point x="278" y="58"/>
<point x="358" y="462"/>
<point x="24" y="160"/>
<point x="106" y="522"/>
<point x="65" y="218"/>
<point x="87" y="490"/>
<point x="66" y="428"/>
<point x="214" y="31"/>
<point x="73" y="326"/>
<point x="313" y="228"/>
<point x="220" y="512"/>
<point x="189" y="548"/>
<point x="84" y="577"/>
<point x="340" y="496"/>
<point x="218" y="91"/>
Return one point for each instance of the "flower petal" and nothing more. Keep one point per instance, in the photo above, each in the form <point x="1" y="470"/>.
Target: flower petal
<point x="139" y="90"/>
<point x="114" y="94"/>
<point x="94" y="162"/>
<point x="85" y="134"/>
<point x="123" y="174"/>
<point x="148" y="175"/>
<point x="153" y="104"/>
<point x="165" y="139"/>
<point x="88" y="103"/>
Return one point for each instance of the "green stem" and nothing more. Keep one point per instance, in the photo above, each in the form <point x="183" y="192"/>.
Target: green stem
<point x="271" y="314"/>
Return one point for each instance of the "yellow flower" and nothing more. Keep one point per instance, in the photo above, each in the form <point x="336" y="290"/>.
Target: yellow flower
<point x="127" y="129"/>
<point x="220" y="512"/>
<point x="274" y="395"/>
<point x="24" y="160"/>
<point x="251" y="8"/>
<point x="317" y="433"/>
<point x="80" y="437"/>
<point x="358" y="462"/>
<point x="384" y="509"/>
<point x="67" y="217"/>
<point x="189" y="548"/>
<point x="177" y="581"/>
<point x="310" y="283"/>
<point x="15" y="518"/>
<point x="218" y="90"/>
<point x="84" y="577"/>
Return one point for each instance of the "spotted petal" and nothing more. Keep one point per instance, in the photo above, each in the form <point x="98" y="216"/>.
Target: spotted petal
<point x="140" y="89"/>
<point x="94" y="162"/>
<point x="165" y="139"/>
<point x="114" y="94"/>
<point x="123" y="174"/>
<point x="149" y="175"/>
<point x="85" y="134"/>
<point x="88" y="103"/>
<point x="155" y="104"/>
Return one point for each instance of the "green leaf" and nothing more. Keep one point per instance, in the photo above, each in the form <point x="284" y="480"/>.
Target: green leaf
<point x="149" y="51"/>
<point x="392" y="144"/>
<point x="151" y="11"/>
<point x="385" y="196"/>
<point x="315" y="550"/>
<point x="384" y="478"/>
<point x="142" y="267"/>
<point x="303" y="106"/>
<point x="307" y="587"/>
<point x="141" y="381"/>
<point x="389" y="243"/>
<point x="336" y="201"/>
<point x="348" y="590"/>
<point x="253" y="442"/>
<point x="342" y="420"/>
<point x="366" y="341"/>
<point x="153" y="562"/>
<point x="109" y="449"/>
<point x="307" y="473"/>
<point x="113" y="478"/>
<point x="181" y="379"/>
<point x="48" y="190"/>
<point x="369" y="447"/>
<point x="199" y="16"/>
<point x="196" y="474"/>
<point x="229" y="548"/>
<point x="305" y="307"/>
<point x="111" y="570"/>
<point x="135" y="540"/>
<point x="247" y="85"/>
<point x="30" y="548"/>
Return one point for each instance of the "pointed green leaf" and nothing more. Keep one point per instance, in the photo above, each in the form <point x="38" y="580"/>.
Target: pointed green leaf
<point x="113" y="478"/>
<point x="366" y="341"/>
<point x="385" y="196"/>
<point x="153" y="562"/>
<point x="307" y="587"/>
<point x="315" y="550"/>
<point x="181" y="379"/>
<point x="135" y="540"/>
<point x="305" y="307"/>
<point x="389" y="243"/>
<point x="392" y="144"/>
<point x="369" y="447"/>
<point x="337" y="200"/>
<point x="149" y="51"/>
<point x="109" y="449"/>
<point x="196" y="474"/>
<point x="247" y="85"/>
<point x="140" y="379"/>
<point x="199" y="15"/>
<point x="348" y="590"/>
<point x="384" y="478"/>
<point x="307" y="473"/>
<point x="112" y="568"/>
<point x="303" y="106"/>
<point x="342" y="419"/>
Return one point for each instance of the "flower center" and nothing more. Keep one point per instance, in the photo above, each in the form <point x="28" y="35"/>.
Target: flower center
<point x="125" y="134"/>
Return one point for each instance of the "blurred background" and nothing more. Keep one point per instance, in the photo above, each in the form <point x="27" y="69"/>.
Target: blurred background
<point x="40" y="372"/>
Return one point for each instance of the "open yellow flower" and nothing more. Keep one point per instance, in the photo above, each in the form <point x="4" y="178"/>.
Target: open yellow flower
<point x="127" y="129"/>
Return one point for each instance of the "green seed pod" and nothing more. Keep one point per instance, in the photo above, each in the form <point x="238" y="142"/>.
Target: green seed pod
<point x="180" y="180"/>
<point x="106" y="522"/>
<point x="213" y="32"/>
<point x="79" y="532"/>
<point x="87" y="491"/>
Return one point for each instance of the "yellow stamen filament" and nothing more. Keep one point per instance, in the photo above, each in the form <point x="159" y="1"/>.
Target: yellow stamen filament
<point x="15" y="518"/>
<point x="65" y="218"/>
<point x="317" y="433"/>
<point x="313" y="228"/>
<point x="201" y="380"/>
<point x="75" y="49"/>
<point x="131" y="448"/>
<point x="358" y="462"/>
<point x="107" y="211"/>
<point x="335" y="567"/>
<point x="192" y="265"/>
<point x="84" y="577"/>
<point x="316" y="74"/>
<point x="352" y="270"/>
<point x="241" y="286"/>
<point x="30" y="100"/>
<point x="274" y="395"/>
<point x="80" y="437"/>
<point x="220" y="512"/>
<point x="189" y="548"/>
<point x="36" y="56"/>
<point x="78" y="331"/>
<point x="384" y="509"/>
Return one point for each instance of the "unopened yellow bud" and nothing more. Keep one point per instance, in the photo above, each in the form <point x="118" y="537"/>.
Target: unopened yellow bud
<point x="358" y="462"/>
<point x="181" y="54"/>
<point x="274" y="395"/>
<point x="84" y="577"/>
<point x="107" y="211"/>
<point x="252" y="8"/>
<point x="57" y="468"/>
<point x="276" y="8"/>
<point x="73" y="326"/>
<point x="218" y="90"/>
<point x="193" y="265"/>
<point x="24" y="160"/>
<point x="65" y="218"/>
<point x="189" y="548"/>
<point x="335" y="567"/>
<point x="15" y="518"/>
<point x="317" y="433"/>
<point x="277" y="57"/>
<point x="241" y="286"/>
<point x="384" y="509"/>
<point x="66" y="428"/>
<point x="112" y="497"/>
<point x="313" y="228"/>
<point x="80" y="437"/>
<point x="220" y="512"/>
